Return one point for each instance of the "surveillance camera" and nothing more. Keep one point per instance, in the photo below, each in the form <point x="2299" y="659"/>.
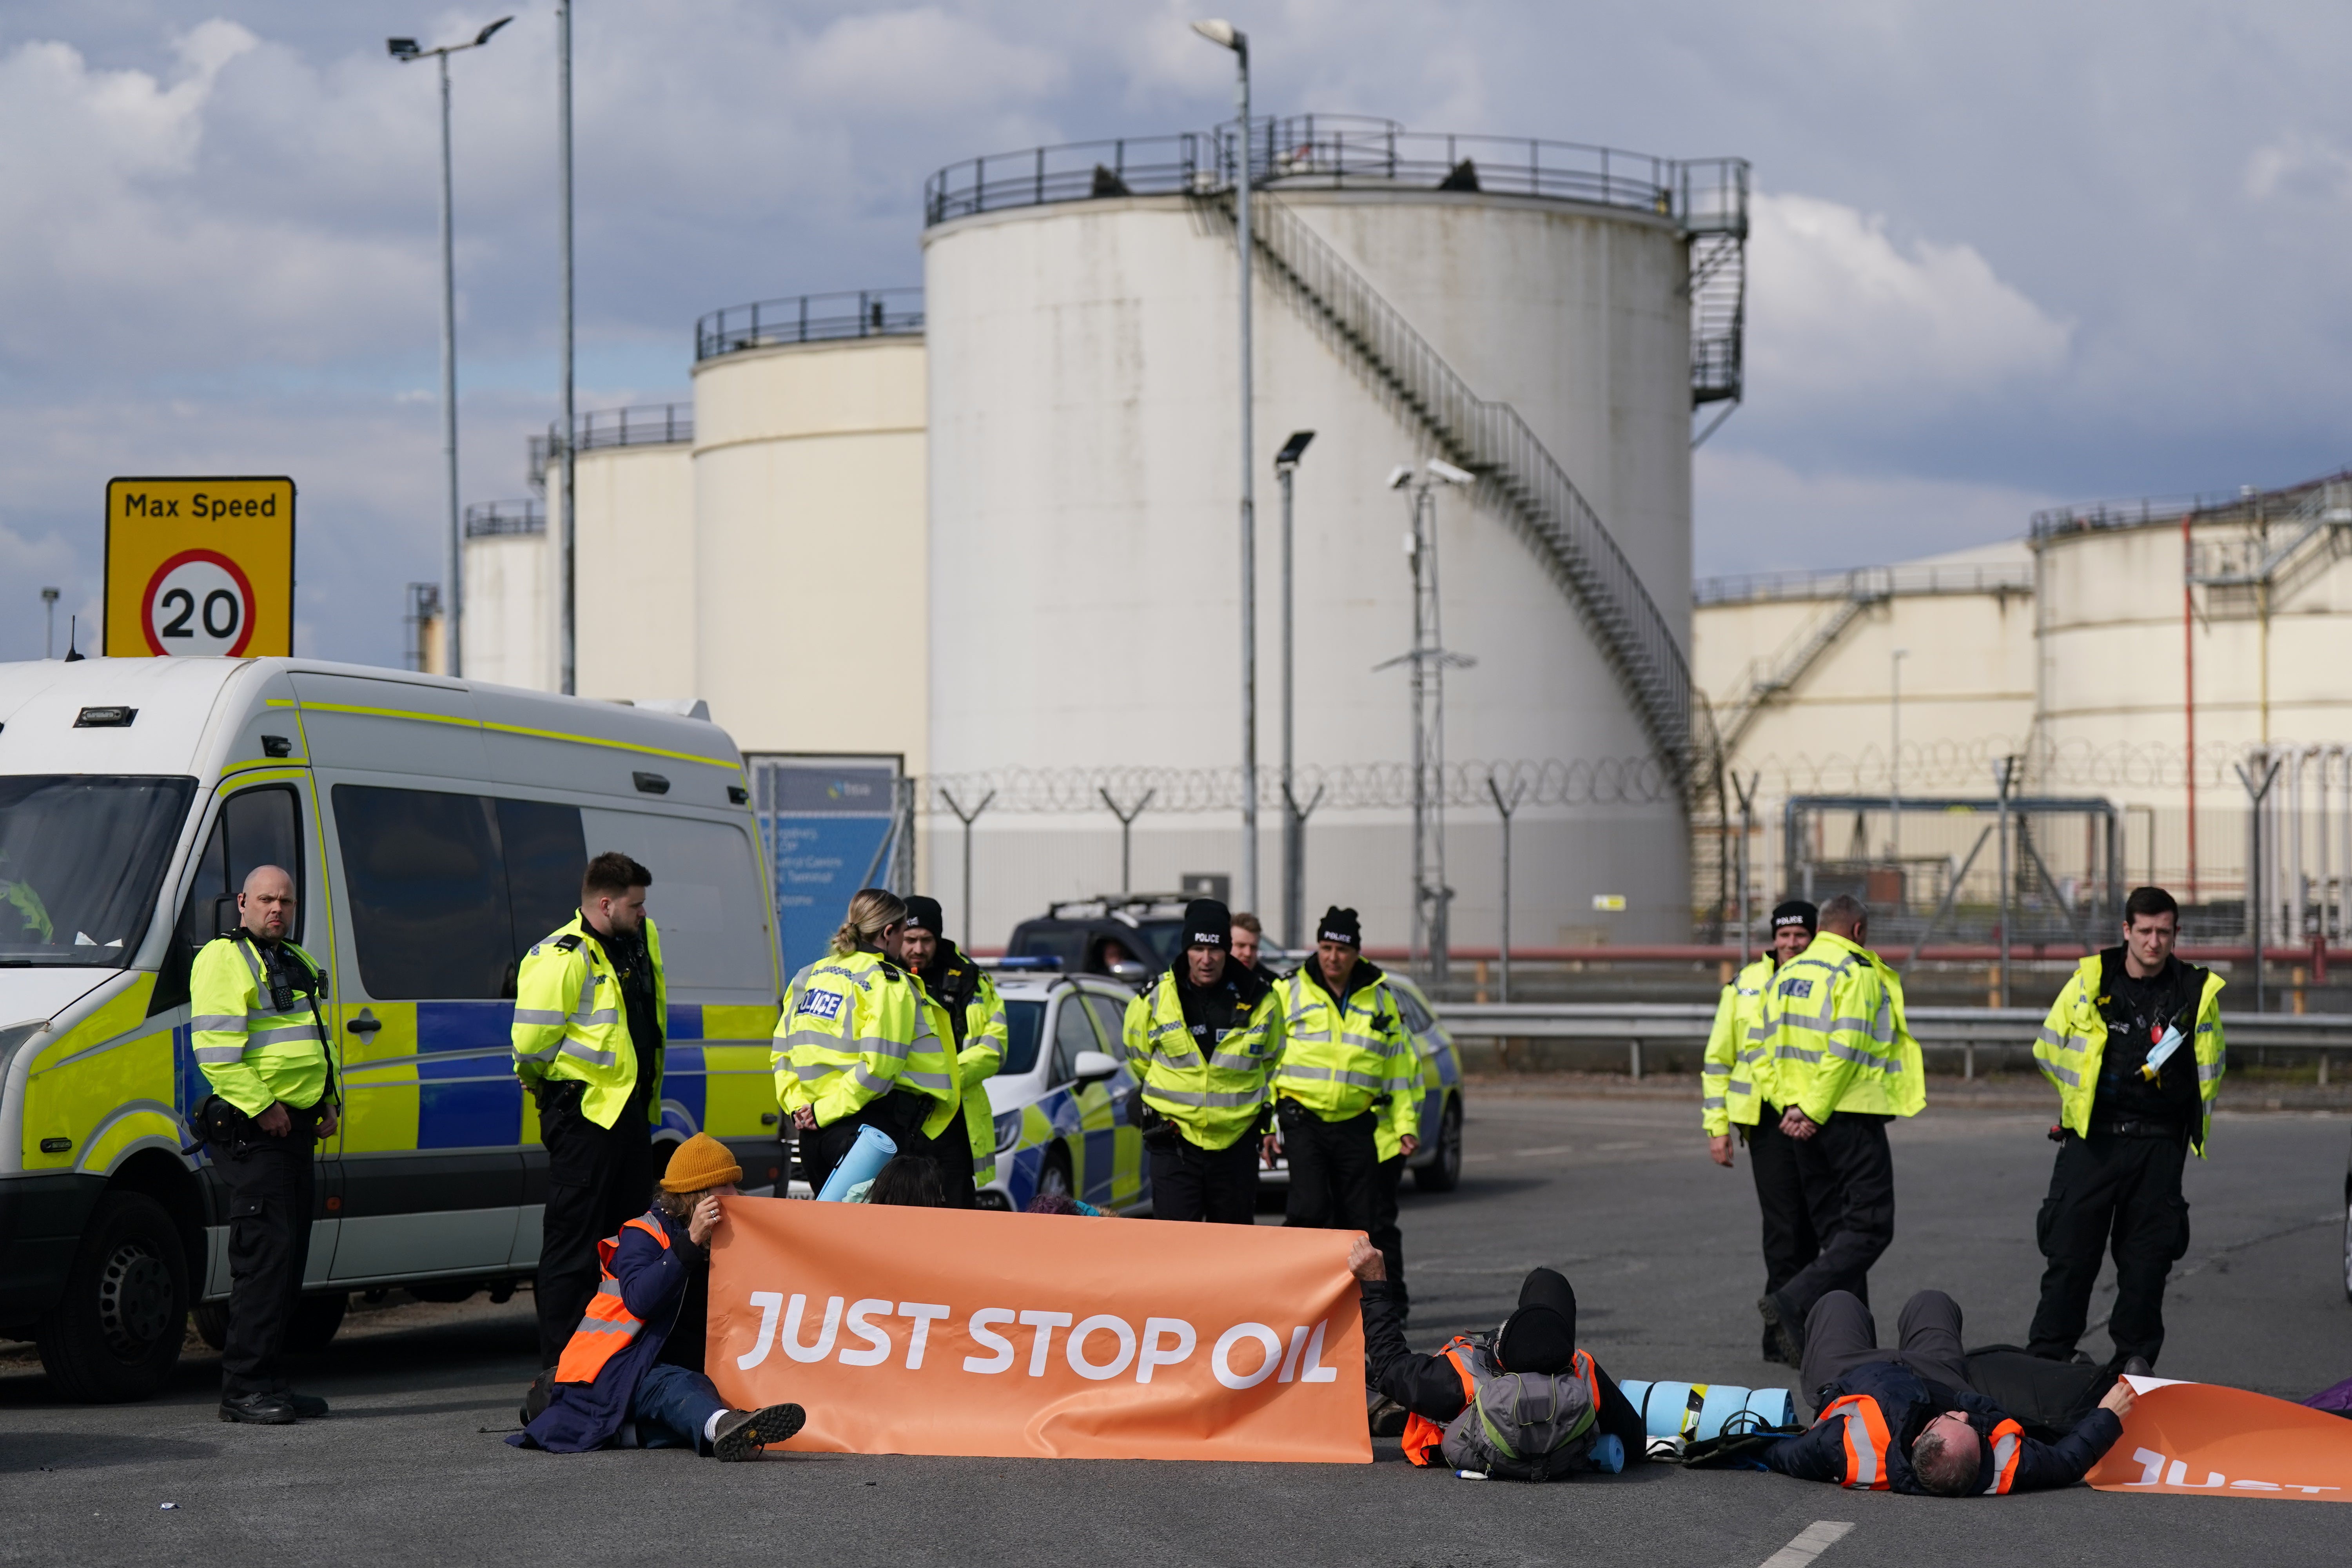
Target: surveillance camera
<point x="1450" y="474"/>
<point x="1400" y="476"/>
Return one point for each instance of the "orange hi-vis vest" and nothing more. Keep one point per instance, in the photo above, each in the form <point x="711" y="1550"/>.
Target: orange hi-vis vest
<point x="1866" y="1443"/>
<point x="608" y="1326"/>
<point x="1424" y="1438"/>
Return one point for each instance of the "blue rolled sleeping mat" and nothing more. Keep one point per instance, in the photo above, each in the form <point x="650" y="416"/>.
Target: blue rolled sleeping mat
<point x="1699" y="1411"/>
<point x="873" y="1150"/>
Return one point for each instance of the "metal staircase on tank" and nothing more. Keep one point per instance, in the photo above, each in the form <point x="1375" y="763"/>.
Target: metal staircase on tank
<point x="1809" y="646"/>
<point x="1492" y="441"/>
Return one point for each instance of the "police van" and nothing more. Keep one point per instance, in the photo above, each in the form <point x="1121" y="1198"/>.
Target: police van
<point x="435" y="829"/>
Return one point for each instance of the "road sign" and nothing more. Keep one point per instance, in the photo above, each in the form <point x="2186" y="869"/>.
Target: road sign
<point x="199" y="567"/>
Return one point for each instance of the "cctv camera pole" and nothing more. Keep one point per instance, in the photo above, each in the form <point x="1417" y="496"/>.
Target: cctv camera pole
<point x="1294" y="821"/>
<point x="569" y="683"/>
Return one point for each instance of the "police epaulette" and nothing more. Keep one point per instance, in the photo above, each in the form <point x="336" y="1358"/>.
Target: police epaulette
<point x="569" y="942"/>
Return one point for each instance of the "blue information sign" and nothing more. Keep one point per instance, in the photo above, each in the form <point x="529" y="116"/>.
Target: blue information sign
<point x="828" y="834"/>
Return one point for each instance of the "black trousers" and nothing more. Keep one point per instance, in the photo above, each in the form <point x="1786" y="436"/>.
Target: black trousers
<point x="1841" y="1334"/>
<point x="1790" y="1243"/>
<point x="1190" y="1182"/>
<point x="598" y="1179"/>
<point x="1848" y="1176"/>
<point x="901" y="1117"/>
<point x="1385" y="1234"/>
<point x="270" y="1185"/>
<point x="2110" y="1193"/>
<point x="1334" y="1169"/>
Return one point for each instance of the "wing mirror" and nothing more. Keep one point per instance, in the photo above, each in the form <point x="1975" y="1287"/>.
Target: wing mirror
<point x="1091" y="1065"/>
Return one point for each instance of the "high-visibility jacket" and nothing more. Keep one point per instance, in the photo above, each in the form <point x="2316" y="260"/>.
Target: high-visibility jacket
<point x="856" y="1026"/>
<point x="572" y="1025"/>
<point x="1341" y="1059"/>
<point x="1736" y="1072"/>
<point x="1870" y="1455"/>
<point x="252" y="1052"/>
<point x="1424" y="1439"/>
<point x="1388" y="1141"/>
<point x="1835" y="1013"/>
<point x="2073" y="1038"/>
<point x="1214" y="1098"/>
<point x="980" y="1034"/>
<point x="608" y="1325"/>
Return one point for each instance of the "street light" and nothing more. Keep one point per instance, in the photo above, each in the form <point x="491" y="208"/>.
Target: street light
<point x="567" y="537"/>
<point x="50" y="636"/>
<point x="1294" y="821"/>
<point x="405" y="51"/>
<point x="1894" y="759"/>
<point x="1225" y="34"/>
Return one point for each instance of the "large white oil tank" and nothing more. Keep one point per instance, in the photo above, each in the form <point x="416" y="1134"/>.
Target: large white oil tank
<point x="509" y="604"/>
<point x="1085" y="488"/>
<point x="808" y="547"/>
<point x="634" y="572"/>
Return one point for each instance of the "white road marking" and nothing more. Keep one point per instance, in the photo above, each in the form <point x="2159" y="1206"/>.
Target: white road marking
<point x="1810" y="1542"/>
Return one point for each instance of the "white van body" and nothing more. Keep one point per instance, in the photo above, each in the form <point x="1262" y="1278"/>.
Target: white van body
<point x="435" y="829"/>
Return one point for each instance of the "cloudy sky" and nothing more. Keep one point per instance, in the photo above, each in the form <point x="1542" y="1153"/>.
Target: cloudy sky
<point x="2005" y="254"/>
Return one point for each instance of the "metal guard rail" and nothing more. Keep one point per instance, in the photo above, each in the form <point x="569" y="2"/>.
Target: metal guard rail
<point x="485" y="520"/>
<point x="809" y="319"/>
<point x="1689" y="1023"/>
<point x="650" y="425"/>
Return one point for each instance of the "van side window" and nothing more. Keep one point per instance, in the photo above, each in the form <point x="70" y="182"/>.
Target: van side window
<point x="718" y="930"/>
<point x="545" y="853"/>
<point x="256" y="827"/>
<point x="426" y="887"/>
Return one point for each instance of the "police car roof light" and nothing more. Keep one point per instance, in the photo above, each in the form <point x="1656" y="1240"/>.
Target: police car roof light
<point x="1031" y="961"/>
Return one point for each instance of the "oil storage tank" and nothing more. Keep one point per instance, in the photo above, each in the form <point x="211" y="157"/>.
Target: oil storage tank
<point x="1540" y="314"/>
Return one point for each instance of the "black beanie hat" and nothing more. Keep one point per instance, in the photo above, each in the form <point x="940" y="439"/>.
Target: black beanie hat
<point x="1540" y="1336"/>
<point x="1796" y="912"/>
<point x="923" y="914"/>
<point x="1341" y="926"/>
<point x="1208" y="923"/>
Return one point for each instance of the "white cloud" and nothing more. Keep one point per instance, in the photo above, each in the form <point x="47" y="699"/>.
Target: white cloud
<point x="2300" y="164"/>
<point x="1757" y="513"/>
<point x="1842" y="313"/>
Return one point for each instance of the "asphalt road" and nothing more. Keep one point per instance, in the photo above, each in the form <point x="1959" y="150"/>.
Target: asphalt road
<point x="1660" y="1243"/>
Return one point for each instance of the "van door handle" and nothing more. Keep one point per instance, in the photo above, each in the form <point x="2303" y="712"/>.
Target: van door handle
<point x="364" y="1026"/>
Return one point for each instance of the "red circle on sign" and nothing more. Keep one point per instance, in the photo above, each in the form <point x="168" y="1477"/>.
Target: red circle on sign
<point x="147" y="599"/>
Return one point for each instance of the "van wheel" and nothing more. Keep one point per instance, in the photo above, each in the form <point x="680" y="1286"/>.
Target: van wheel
<point x="316" y="1319"/>
<point x="116" y="1332"/>
<point x="1445" y="1173"/>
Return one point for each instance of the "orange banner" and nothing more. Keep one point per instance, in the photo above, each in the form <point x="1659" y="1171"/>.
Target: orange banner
<point x="2201" y="1439"/>
<point x="907" y="1330"/>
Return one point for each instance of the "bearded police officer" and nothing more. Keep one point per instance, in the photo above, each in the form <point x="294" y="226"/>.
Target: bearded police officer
<point x="1843" y="1066"/>
<point x="1203" y="1039"/>
<point x="258" y="1036"/>
<point x="1739" y="1092"/>
<point x="1347" y="1066"/>
<point x="975" y="1014"/>
<point x="2134" y="1046"/>
<point x="590" y="1004"/>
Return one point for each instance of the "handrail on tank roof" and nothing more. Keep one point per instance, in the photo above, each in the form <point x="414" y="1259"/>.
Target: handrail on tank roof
<point x="489" y="519"/>
<point x="648" y="424"/>
<point x="1704" y="195"/>
<point x="2219" y="506"/>
<point x="1911" y="580"/>
<point x="809" y="319"/>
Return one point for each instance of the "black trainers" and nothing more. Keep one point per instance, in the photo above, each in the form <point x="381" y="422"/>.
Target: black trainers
<point x="257" y="1409"/>
<point x="1786" y="1333"/>
<point x="2137" y="1367"/>
<point x="741" y="1434"/>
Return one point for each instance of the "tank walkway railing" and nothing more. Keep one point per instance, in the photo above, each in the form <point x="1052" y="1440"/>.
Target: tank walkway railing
<point x="1906" y="582"/>
<point x="494" y="518"/>
<point x="809" y="319"/>
<point x="1491" y="440"/>
<point x="653" y="424"/>
<point x="2254" y="561"/>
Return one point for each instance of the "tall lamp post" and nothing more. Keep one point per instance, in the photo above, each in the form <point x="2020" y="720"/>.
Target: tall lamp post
<point x="1894" y="759"/>
<point x="404" y="50"/>
<point x="1294" y="821"/>
<point x="49" y="636"/>
<point x="568" y="613"/>
<point x="1225" y="34"/>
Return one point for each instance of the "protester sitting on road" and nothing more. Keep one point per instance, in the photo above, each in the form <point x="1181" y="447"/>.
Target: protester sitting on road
<point x="614" y="1382"/>
<point x="1907" y="1421"/>
<point x="1539" y="1338"/>
<point x="909" y="1181"/>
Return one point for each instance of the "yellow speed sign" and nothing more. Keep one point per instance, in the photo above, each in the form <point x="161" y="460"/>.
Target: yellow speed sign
<point x="199" y="567"/>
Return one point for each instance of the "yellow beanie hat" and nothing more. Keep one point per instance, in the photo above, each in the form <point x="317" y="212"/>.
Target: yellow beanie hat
<point x="700" y="1161"/>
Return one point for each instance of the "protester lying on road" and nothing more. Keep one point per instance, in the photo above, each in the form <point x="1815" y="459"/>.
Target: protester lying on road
<point x="1063" y="1202"/>
<point x="615" y="1379"/>
<point x="1510" y="1375"/>
<point x="1907" y="1421"/>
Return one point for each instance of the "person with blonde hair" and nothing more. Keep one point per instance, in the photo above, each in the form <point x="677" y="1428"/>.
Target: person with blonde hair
<point x="861" y="1043"/>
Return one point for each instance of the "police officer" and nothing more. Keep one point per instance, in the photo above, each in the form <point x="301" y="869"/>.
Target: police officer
<point x="1843" y="1065"/>
<point x="976" y="1014"/>
<point x="1249" y="937"/>
<point x="1347" y="1067"/>
<point x="1203" y="1038"/>
<point x="2134" y="1046"/>
<point x="590" y="1004"/>
<point x="1738" y="1092"/>
<point x="863" y="1044"/>
<point x="254" y="999"/>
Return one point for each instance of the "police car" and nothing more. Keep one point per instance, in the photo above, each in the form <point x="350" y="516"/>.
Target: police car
<point x="1436" y="1166"/>
<point x="1060" y="1097"/>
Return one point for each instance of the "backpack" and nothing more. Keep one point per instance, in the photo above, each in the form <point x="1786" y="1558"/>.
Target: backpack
<point x="1522" y="1426"/>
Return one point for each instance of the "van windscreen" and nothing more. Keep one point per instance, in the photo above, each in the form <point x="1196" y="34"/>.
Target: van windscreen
<point x="81" y="855"/>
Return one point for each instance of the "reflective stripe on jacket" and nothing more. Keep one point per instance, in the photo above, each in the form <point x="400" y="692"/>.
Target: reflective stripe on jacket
<point x="608" y="1325"/>
<point x="1424" y="1439"/>
<point x="981" y="1052"/>
<point x="1213" y="1099"/>
<point x="570" y="1023"/>
<point x="1340" y="1061"/>
<point x="856" y="1026"/>
<point x="1863" y="1427"/>
<point x="250" y="1053"/>
<point x="1735" y="1074"/>
<point x="1834" y="1016"/>
<point x="1388" y="1142"/>
<point x="2073" y="1038"/>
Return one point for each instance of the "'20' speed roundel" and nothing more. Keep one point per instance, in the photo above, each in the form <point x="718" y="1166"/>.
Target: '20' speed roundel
<point x="198" y="602"/>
